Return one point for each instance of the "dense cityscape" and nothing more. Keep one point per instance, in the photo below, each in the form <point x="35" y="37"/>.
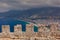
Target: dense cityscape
<point x="45" y="32"/>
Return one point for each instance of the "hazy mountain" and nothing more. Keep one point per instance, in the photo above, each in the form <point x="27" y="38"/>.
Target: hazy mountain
<point x="42" y="11"/>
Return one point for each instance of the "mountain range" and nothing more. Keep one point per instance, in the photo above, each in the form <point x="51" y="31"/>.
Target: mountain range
<point x="39" y="12"/>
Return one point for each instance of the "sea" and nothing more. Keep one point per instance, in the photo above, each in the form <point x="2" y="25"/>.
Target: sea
<point x="12" y="22"/>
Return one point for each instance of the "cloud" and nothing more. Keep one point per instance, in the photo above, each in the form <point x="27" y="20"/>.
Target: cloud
<point x="6" y="5"/>
<point x="54" y="3"/>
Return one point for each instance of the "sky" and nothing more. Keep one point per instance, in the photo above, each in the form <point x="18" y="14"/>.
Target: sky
<point x="6" y="5"/>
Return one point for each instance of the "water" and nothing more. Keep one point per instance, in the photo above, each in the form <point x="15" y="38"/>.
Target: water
<point x="35" y="29"/>
<point x="12" y="23"/>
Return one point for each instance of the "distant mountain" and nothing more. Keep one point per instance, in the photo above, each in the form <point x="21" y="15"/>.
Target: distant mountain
<point x="42" y="11"/>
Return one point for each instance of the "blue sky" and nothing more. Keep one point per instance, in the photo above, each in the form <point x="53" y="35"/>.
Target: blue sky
<point x="6" y="5"/>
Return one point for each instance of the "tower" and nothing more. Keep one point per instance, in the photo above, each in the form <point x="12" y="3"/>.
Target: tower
<point x="53" y="27"/>
<point x="5" y="30"/>
<point x="18" y="30"/>
<point x="29" y="30"/>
